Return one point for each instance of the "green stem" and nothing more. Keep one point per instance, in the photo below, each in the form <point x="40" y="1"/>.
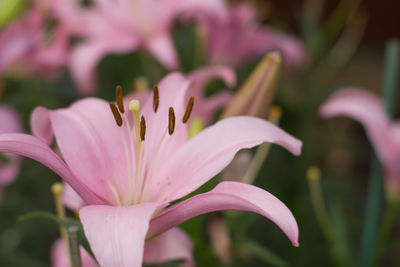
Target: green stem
<point x="321" y="213"/>
<point x="375" y="191"/>
<point x="199" y="49"/>
<point x="391" y="73"/>
<point x="374" y="202"/>
<point x="392" y="62"/>
<point x="74" y="249"/>
<point x="387" y="225"/>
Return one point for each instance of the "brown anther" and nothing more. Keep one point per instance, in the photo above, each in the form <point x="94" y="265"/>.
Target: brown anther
<point x="116" y="114"/>
<point x="189" y="109"/>
<point x="156" y="98"/>
<point x="171" y="120"/>
<point x="118" y="98"/>
<point x="142" y="128"/>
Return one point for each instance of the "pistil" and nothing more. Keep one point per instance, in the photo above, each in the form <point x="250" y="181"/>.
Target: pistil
<point x="134" y="107"/>
<point x="140" y="128"/>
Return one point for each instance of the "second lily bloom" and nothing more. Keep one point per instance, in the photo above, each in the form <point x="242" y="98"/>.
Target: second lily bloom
<point x="383" y="133"/>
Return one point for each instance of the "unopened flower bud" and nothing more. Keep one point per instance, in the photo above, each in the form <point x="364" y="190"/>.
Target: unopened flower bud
<point x="257" y="93"/>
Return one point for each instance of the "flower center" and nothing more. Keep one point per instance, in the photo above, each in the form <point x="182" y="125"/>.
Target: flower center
<point x="141" y="170"/>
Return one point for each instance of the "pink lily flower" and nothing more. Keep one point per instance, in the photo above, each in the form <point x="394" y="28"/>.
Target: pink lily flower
<point x="9" y="124"/>
<point x="237" y="38"/>
<point x="25" y="43"/>
<point x="384" y="134"/>
<point x="124" y="26"/>
<point x="128" y="175"/>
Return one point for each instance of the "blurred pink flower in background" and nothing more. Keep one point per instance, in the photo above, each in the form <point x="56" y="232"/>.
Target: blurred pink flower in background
<point x="236" y="38"/>
<point x="128" y="180"/>
<point x="9" y="163"/>
<point x="123" y="26"/>
<point x="29" y="46"/>
<point x="383" y="133"/>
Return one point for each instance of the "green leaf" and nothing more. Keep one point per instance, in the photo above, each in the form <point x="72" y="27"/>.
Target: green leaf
<point x="65" y="223"/>
<point x="340" y="247"/>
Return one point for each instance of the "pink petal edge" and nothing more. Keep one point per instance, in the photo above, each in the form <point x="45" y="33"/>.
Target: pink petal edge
<point x="215" y="148"/>
<point x="229" y="196"/>
<point x="34" y="148"/>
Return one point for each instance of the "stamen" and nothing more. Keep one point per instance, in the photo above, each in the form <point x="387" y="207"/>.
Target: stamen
<point x="171" y="120"/>
<point x="142" y="128"/>
<point x="189" y="109"/>
<point x="156" y="98"/>
<point x="118" y="98"/>
<point x="116" y="114"/>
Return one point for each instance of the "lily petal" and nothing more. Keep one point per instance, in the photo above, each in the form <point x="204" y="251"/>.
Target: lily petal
<point x="162" y="47"/>
<point x="92" y="152"/>
<point x="16" y="40"/>
<point x="41" y="125"/>
<point x="171" y="245"/>
<point x="172" y="91"/>
<point x="85" y="58"/>
<point x="71" y="199"/>
<point x="365" y="108"/>
<point x="229" y="196"/>
<point x="202" y="76"/>
<point x="34" y="148"/>
<point x="117" y="234"/>
<point x="206" y="108"/>
<point x="10" y="123"/>
<point x="267" y="39"/>
<point x="209" y="152"/>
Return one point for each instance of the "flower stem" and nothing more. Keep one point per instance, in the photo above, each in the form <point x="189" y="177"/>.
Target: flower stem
<point x="386" y="227"/>
<point x="324" y="220"/>
<point x="74" y="249"/>
<point x="314" y="183"/>
<point x="199" y="49"/>
<point x="391" y="73"/>
<point x="57" y="190"/>
<point x="375" y="191"/>
<point x="374" y="203"/>
<point x="392" y="62"/>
